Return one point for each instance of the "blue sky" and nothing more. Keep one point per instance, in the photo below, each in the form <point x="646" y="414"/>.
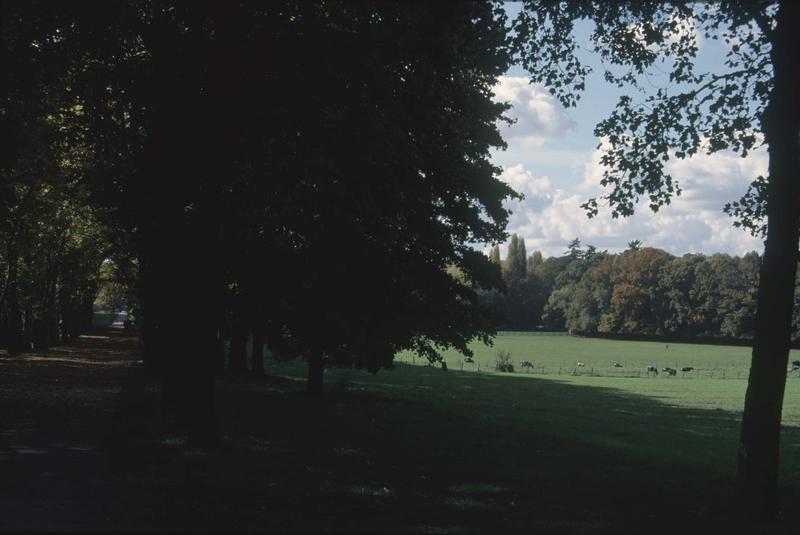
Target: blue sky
<point x="552" y="159"/>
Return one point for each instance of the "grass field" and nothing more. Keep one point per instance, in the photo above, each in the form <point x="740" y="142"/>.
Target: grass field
<point x="558" y="354"/>
<point x="417" y="449"/>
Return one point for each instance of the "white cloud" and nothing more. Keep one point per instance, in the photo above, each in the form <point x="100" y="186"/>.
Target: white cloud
<point x="539" y="115"/>
<point x="549" y="217"/>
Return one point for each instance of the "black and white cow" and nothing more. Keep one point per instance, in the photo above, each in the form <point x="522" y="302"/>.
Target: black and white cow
<point x="669" y="371"/>
<point x="687" y="369"/>
<point x="526" y="364"/>
<point x="652" y="369"/>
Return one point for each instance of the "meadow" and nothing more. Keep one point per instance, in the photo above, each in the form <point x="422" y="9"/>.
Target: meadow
<point x="419" y="449"/>
<point x="558" y="354"/>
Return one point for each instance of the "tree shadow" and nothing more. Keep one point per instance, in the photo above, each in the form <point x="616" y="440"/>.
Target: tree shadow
<point x="417" y="451"/>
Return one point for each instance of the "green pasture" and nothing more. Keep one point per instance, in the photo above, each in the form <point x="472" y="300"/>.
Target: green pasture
<point x="558" y="354"/>
<point x="461" y="451"/>
<point x="416" y="449"/>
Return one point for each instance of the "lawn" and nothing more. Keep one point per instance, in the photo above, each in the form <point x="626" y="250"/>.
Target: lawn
<point x="419" y="449"/>
<point x="558" y="354"/>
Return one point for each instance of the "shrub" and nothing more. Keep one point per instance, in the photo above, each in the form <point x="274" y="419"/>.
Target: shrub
<point x="503" y="362"/>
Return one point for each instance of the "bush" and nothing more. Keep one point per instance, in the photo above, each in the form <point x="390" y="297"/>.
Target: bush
<point x="503" y="362"/>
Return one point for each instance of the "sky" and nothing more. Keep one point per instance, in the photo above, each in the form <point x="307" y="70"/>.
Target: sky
<point x="552" y="158"/>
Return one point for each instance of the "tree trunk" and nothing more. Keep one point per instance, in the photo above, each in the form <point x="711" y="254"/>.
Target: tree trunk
<point x="237" y="358"/>
<point x="15" y="341"/>
<point x="315" y="372"/>
<point x="258" y="353"/>
<point x="220" y="358"/>
<point x="190" y="349"/>
<point x="760" y="433"/>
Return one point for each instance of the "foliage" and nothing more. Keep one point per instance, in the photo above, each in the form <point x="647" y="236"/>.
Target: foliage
<point x="232" y="175"/>
<point x="692" y="112"/>
<point x="503" y="362"/>
<point x="51" y="240"/>
<point x="639" y="291"/>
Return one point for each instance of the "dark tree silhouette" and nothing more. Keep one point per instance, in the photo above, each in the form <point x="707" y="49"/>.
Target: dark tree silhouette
<point x="322" y="164"/>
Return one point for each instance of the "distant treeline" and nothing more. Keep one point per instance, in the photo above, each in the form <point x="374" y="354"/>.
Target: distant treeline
<point x="642" y="291"/>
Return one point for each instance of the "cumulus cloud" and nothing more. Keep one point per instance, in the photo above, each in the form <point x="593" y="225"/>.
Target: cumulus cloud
<point x="549" y="217"/>
<point x="539" y="116"/>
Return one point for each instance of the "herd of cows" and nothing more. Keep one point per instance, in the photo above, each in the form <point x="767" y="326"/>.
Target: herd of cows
<point x="795" y="366"/>
<point x="526" y="364"/>
<point x="650" y="369"/>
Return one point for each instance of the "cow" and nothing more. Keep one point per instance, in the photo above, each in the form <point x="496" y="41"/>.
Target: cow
<point x="794" y="368"/>
<point x="617" y="365"/>
<point x="652" y="369"/>
<point x="687" y="369"/>
<point x="527" y="364"/>
<point x="469" y="359"/>
<point x="580" y="364"/>
<point x="669" y="371"/>
<point x="796" y="363"/>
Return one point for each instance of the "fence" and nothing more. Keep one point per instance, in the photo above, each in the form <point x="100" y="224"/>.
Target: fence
<point x="593" y="370"/>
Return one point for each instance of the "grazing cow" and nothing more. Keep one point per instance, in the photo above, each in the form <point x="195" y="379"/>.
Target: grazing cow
<point x="527" y="364"/>
<point x="669" y="371"/>
<point x="687" y="369"/>
<point x="652" y="369"/>
<point x="796" y="363"/>
<point x="469" y="359"/>
<point x="617" y="365"/>
<point x="794" y="367"/>
<point x="580" y="364"/>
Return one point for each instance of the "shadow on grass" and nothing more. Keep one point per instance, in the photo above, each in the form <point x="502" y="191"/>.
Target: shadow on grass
<point x="418" y="450"/>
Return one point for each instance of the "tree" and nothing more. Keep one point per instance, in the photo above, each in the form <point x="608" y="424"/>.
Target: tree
<point x="534" y="261"/>
<point x="682" y="296"/>
<point x="635" y="301"/>
<point x="51" y="243"/>
<point x="186" y="132"/>
<point x="494" y="255"/>
<point x="574" y="248"/>
<point x="757" y="94"/>
<point x="516" y="259"/>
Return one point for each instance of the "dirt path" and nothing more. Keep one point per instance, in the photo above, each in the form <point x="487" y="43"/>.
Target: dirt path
<point x="56" y="409"/>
